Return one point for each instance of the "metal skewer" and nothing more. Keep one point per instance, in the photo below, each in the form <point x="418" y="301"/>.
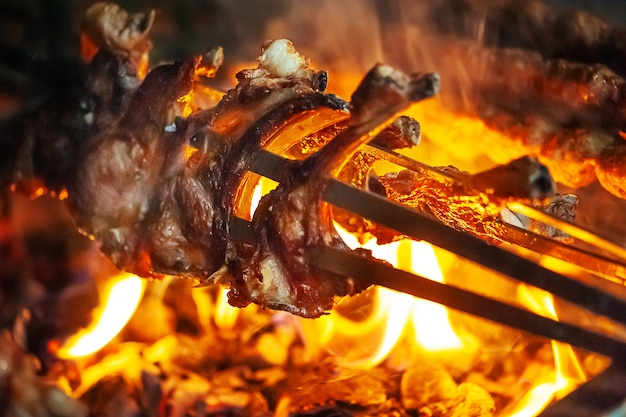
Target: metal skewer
<point x="612" y="268"/>
<point x="351" y="265"/>
<point x="420" y="227"/>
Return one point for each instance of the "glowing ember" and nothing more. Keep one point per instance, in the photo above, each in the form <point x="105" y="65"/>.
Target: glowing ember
<point x="120" y="301"/>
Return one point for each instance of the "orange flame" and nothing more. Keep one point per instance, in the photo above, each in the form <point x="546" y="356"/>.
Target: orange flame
<point x="121" y="299"/>
<point x="396" y="312"/>
<point x="225" y="314"/>
<point x="568" y="373"/>
<point x="189" y="152"/>
<point x="392" y="311"/>
<point x="430" y="318"/>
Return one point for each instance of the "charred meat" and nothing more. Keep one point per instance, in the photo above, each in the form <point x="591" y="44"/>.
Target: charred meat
<point x="157" y="168"/>
<point x="294" y="216"/>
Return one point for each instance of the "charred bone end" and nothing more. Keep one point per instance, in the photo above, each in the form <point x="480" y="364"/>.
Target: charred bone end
<point x="281" y="64"/>
<point x="109" y="26"/>
<point x="385" y="86"/>
<point x="404" y="132"/>
<point x="294" y="217"/>
<point x="523" y="178"/>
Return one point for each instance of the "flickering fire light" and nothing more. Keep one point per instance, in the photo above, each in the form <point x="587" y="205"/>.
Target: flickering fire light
<point x="393" y="320"/>
<point x="568" y="372"/>
<point x="395" y="311"/>
<point x="118" y="300"/>
<point x="362" y="345"/>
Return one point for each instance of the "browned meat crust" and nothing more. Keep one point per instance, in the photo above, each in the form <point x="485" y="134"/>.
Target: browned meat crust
<point x="567" y="114"/>
<point x="571" y="34"/>
<point x="118" y="170"/>
<point x="294" y="216"/>
<point x="523" y="82"/>
<point x="157" y="212"/>
<point x="471" y="203"/>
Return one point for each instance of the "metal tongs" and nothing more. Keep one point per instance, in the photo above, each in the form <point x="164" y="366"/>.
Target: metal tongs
<point x="418" y="226"/>
<point x="606" y="260"/>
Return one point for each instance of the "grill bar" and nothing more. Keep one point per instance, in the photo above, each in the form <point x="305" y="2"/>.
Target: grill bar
<point x="411" y="223"/>
<point x="608" y="268"/>
<point x="351" y="265"/>
<point x="418" y="226"/>
<point x="421" y="227"/>
<point x="575" y="231"/>
<point x="612" y="268"/>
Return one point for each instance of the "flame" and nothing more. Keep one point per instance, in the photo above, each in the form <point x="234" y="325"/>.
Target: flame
<point x="568" y="373"/>
<point x="396" y="312"/>
<point x="393" y="312"/>
<point x="430" y="318"/>
<point x="121" y="300"/>
<point x="189" y="152"/>
<point x="185" y="101"/>
<point x="225" y="314"/>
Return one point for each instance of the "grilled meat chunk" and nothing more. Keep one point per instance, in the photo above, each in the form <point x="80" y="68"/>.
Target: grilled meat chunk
<point x="119" y="169"/>
<point x="157" y="173"/>
<point x="294" y="216"/>
<point x="158" y="211"/>
<point x="472" y="203"/>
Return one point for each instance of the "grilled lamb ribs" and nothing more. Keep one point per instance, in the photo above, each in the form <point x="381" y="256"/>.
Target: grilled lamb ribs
<point x="156" y="175"/>
<point x="294" y="216"/>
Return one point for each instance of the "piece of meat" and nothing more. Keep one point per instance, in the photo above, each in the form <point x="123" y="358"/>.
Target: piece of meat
<point x="523" y="82"/>
<point x="575" y="156"/>
<point x="118" y="169"/>
<point x="293" y="217"/>
<point x="471" y="203"/>
<point x="611" y="170"/>
<point x="92" y="95"/>
<point x="567" y="114"/>
<point x="572" y="34"/>
<point x="108" y="26"/>
<point x="158" y="209"/>
<point x="560" y="206"/>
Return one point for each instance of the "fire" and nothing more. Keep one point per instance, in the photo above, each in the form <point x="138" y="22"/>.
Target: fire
<point x="568" y="373"/>
<point x="398" y="313"/>
<point x="225" y="315"/>
<point x="189" y="152"/>
<point x="430" y="318"/>
<point x="398" y="333"/>
<point x="121" y="298"/>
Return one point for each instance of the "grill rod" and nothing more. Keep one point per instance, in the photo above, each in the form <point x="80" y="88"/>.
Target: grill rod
<point x="612" y="268"/>
<point x="420" y="227"/>
<point x="607" y="260"/>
